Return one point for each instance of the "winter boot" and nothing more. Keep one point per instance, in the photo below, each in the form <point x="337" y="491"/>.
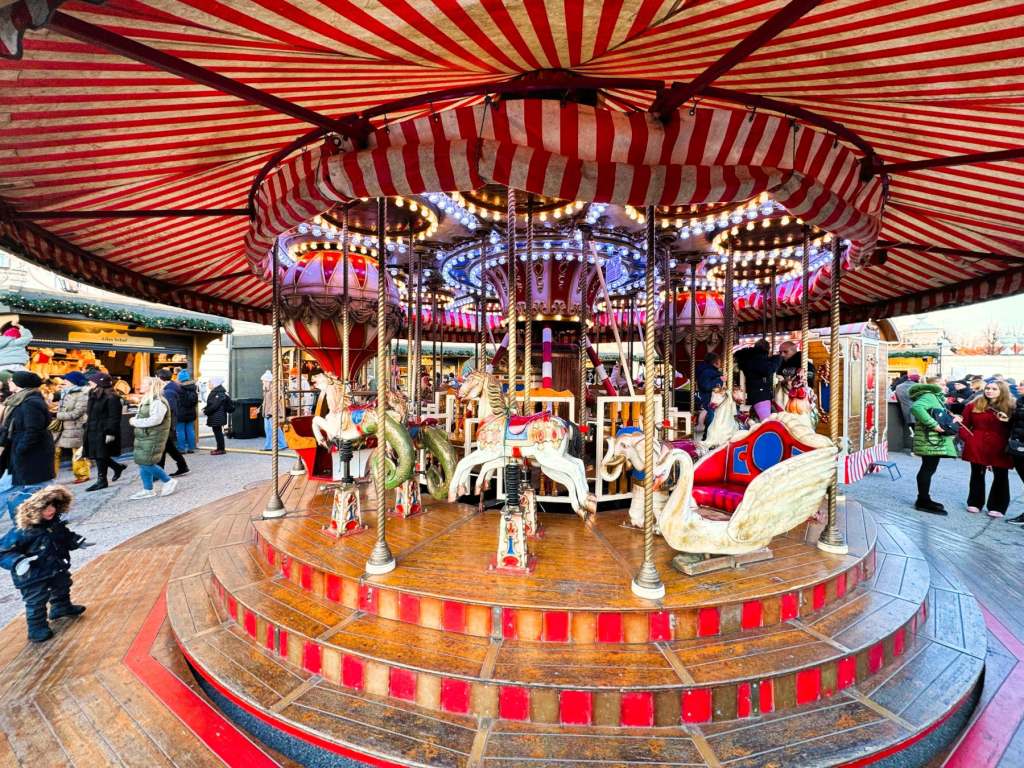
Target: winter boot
<point x="38" y="629"/>
<point x="61" y="608"/>
<point x="929" y="506"/>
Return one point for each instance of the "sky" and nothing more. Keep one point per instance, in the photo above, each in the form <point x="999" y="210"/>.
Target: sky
<point x="966" y="322"/>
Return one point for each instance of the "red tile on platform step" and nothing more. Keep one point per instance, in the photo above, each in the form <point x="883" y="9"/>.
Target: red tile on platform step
<point x="818" y="596"/>
<point x="333" y="588"/>
<point x="271" y="555"/>
<point x="609" y="627"/>
<point x="250" y="624"/>
<point x="876" y="656"/>
<point x="660" y="626"/>
<point x="233" y="608"/>
<point x="556" y="626"/>
<point x="752" y="613"/>
<point x="402" y="684"/>
<point x="708" y="622"/>
<point x="513" y="703"/>
<point x="899" y="642"/>
<point x="697" y="706"/>
<point x="306" y="578"/>
<point x="367" y="598"/>
<point x="808" y="685"/>
<point x="453" y="616"/>
<point x="637" y="709"/>
<point x="311" y="657"/>
<point x="282" y="643"/>
<point x="455" y="696"/>
<point x="286" y="566"/>
<point x="840" y="585"/>
<point x="509" y="627"/>
<point x="743" y="700"/>
<point x="409" y="608"/>
<point x="271" y="639"/>
<point x="766" y="696"/>
<point x="846" y="672"/>
<point x="852" y="577"/>
<point x="576" y="707"/>
<point x="789" y="606"/>
<point x="352" y="672"/>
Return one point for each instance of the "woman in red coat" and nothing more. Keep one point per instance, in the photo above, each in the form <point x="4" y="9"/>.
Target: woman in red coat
<point x="987" y="422"/>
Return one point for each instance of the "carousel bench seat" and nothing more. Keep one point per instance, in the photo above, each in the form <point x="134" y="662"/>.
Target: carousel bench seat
<point x="721" y="478"/>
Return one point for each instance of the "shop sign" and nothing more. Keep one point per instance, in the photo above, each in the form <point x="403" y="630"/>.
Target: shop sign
<point x="114" y="338"/>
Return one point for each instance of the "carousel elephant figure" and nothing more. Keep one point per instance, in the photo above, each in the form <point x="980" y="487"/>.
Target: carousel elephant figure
<point x="627" y="448"/>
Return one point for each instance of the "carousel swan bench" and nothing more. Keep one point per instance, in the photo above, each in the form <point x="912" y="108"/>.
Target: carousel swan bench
<point x="737" y="498"/>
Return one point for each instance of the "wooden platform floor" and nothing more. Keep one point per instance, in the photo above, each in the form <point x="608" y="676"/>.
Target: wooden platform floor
<point x="111" y="688"/>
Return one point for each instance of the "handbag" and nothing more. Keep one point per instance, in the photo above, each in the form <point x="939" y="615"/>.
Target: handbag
<point x="1015" y="447"/>
<point x="56" y="426"/>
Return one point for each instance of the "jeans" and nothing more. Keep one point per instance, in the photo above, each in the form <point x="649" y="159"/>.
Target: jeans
<point x="268" y="427"/>
<point x="151" y="472"/>
<point x="186" y="434"/>
<point x="998" y="496"/>
<point x="924" y="476"/>
<point x="17" y="494"/>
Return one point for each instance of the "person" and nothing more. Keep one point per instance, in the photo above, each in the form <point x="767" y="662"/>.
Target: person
<point x="759" y="370"/>
<point x="103" y="430"/>
<point x="188" y="402"/>
<point x="791" y="363"/>
<point x="709" y="377"/>
<point x="931" y="441"/>
<point x="152" y="424"/>
<point x="1015" y="446"/>
<point x="902" y="393"/>
<point x="218" y="406"/>
<point x="37" y="552"/>
<point x="71" y="415"/>
<point x="267" y="411"/>
<point x="897" y="381"/>
<point x="14" y="341"/>
<point x="171" y="393"/>
<point x="957" y="396"/>
<point x="986" y="432"/>
<point x="28" y="448"/>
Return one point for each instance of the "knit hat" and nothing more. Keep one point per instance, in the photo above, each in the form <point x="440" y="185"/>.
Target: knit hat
<point x="267" y="376"/>
<point x="101" y="379"/>
<point x="26" y="379"/>
<point x="75" y="377"/>
<point x="184" y="376"/>
<point x="216" y="381"/>
<point x="163" y="374"/>
<point x="914" y="376"/>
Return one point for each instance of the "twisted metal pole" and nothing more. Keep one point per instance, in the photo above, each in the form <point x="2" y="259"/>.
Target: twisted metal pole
<point x="771" y="290"/>
<point x="581" y="417"/>
<point x="666" y="331"/>
<point x="648" y="582"/>
<point x="528" y="326"/>
<point x="381" y="560"/>
<point x="831" y="539"/>
<point x="693" y="345"/>
<point x="513" y="309"/>
<point x="346" y="318"/>
<point x="418" y="332"/>
<point x="727" y="362"/>
<point x="275" y="507"/>
<point x="410" y="378"/>
<point x="805" y="299"/>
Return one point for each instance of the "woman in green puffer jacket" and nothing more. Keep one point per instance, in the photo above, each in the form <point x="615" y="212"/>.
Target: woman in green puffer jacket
<point x="152" y="426"/>
<point x="931" y="442"/>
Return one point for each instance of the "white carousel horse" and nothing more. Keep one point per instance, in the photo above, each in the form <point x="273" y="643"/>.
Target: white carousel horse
<point x="503" y="435"/>
<point x="627" y="447"/>
<point x="724" y="425"/>
<point x="775" y="499"/>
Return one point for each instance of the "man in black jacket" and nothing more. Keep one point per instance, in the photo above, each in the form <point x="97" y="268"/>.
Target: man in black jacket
<point x="172" y="391"/>
<point x="27" y="442"/>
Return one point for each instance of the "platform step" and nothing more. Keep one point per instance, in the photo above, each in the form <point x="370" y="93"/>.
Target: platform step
<point x="580" y="591"/>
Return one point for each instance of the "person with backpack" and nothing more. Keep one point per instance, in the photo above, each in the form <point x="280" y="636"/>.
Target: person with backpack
<point x="28" y="447"/>
<point x="188" y="405"/>
<point x="171" y="393"/>
<point x="71" y="415"/>
<point x="102" y="441"/>
<point x="932" y="440"/>
<point x="218" y="405"/>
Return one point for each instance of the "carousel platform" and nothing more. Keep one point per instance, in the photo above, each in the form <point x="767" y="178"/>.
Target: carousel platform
<point x="805" y="659"/>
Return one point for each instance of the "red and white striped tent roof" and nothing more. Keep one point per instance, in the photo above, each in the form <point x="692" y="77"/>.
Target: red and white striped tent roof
<point x="162" y="106"/>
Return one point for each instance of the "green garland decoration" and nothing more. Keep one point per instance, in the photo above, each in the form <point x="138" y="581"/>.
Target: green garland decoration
<point x="21" y="302"/>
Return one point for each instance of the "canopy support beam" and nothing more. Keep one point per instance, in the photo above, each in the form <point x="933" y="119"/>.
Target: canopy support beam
<point x="665" y="105"/>
<point x="168" y="213"/>
<point x="948" y="162"/>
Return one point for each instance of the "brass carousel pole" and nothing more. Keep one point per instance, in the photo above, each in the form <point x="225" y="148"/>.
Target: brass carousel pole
<point x="528" y="295"/>
<point x="693" y="344"/>
<point x="418" y="335"/>
<point x="727" y="361"/>
<point x="410" y="379"/>
<point x="346" y="319"/>
<point x="831" y="539"/>
<point x="275" y="507"/>
<point x="805" y="307"/>
<point x="648" y="582"/>
<point x="771" y="293"/>
<point x="667" y="372"/>
<point x="433" y="336"/>
<point x="381" y="560"/>
<point x="481" y="319"/>
<point x="581" y="416"/>
<point x="513" y="309"/>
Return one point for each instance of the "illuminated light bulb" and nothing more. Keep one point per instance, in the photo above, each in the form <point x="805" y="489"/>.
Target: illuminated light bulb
<point x="399" y="202"/>
<point x="750" y="226"/>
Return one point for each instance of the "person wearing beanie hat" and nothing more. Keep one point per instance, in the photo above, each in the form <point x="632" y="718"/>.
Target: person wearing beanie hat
<point x="188" y="404"/>
<point x="267" y="411"/>
<point x="218" y="405"/>
<point x="172" y="394"/>
<point x="103" y="429"/>
<point x="71" y="415"/>
<point x="27" y="442"/>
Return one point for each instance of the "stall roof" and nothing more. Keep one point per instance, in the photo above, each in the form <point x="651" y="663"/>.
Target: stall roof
<point x="150" y="316"/>
<point x="159" y="105"/>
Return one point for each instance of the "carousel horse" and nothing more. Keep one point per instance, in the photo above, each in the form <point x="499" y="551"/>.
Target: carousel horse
<point x="793" y="395"/>
<point x="627" y="447"/>
<point x="760" y="484"/>
<point x="725" y="424"/>
<point x="354" y="422"/>
<point x="503" y="435"/>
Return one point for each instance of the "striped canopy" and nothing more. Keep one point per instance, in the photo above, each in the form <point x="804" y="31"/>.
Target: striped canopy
<point x="131" y="106"/>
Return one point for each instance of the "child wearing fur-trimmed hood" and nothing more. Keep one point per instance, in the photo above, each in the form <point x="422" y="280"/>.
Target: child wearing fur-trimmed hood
<point x="37" y="552"/>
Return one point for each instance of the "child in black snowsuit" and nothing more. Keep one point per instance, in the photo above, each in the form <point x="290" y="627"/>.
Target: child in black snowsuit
<point x="37" y="552"/>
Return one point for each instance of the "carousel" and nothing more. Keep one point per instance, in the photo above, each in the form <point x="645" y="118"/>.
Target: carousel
<point x="544" y="561"/>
